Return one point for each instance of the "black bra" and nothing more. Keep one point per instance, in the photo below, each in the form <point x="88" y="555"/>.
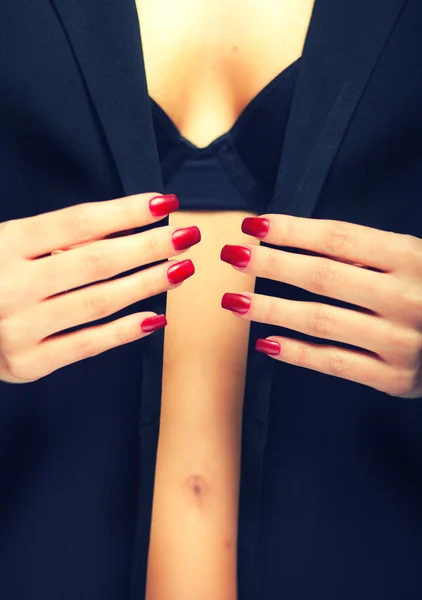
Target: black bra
<point x="238" y="170"/>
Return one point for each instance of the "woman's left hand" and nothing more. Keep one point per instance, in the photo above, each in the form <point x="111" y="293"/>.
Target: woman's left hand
<point x="387" y="323"/>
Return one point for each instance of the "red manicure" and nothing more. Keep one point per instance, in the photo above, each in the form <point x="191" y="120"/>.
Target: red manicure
<point x="256" y="226"/>
<point x="236" y="302"/>
<point x="268" y="347"/>
<point x="186" y="237"/>
<point x="153" y="323"/>
<point x="163" y="205"/>
<point x="180" y="271"/>
<point x="239" y="256"/>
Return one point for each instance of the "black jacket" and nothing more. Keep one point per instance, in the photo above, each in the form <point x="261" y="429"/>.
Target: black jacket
<point x="331" y="490"/>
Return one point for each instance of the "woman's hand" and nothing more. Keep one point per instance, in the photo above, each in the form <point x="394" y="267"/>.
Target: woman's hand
<point x="387" y="323"/>
<point x="35" y="271"/>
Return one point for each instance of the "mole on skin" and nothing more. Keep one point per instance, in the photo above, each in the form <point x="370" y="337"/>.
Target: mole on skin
<point x="198" y="486"/>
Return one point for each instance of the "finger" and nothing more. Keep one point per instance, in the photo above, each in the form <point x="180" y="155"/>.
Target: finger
<point x="59" y="351"/>
<point x="111" y="235"/>
<point x="370" y="332"/>
<point x="103" y="299"/>
<point x="73" y="225"/>
<point x="375" y="291"/>
<point x="352" y="365"/>
<point x="104" y="259"/>
<point x="360" y="244"/>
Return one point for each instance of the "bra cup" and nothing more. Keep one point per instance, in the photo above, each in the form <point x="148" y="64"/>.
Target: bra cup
<point x="237" y="170"/>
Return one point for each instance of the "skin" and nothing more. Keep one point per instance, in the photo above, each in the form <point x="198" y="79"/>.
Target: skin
<point x="193" y="555"/>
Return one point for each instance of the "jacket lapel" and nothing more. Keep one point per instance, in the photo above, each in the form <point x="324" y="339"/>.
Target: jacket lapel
<point x="105" y="39"/>
<point x="343" y="44"/>
<point x="106" y="42"/>
<point x="342" y="47"/>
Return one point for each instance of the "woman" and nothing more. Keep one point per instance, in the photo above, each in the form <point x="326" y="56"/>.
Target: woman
<point x="184" y="463"/>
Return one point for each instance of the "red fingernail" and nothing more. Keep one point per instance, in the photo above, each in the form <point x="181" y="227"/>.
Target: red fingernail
<point x="153" y="323"/>
<point x="268" y="347"/>
<point x="239" y="256"/>
<point x="236" y="302"/>
<point x="163" y="205"/>
<point x="256" y="226"/>
<point x="180" y="271"/>
<point x="186" y="237"/>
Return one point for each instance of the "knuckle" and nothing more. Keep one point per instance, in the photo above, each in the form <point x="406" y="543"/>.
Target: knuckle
<point x="272" y="262"/>
<point x="152" y="245"/>
<point x="270" y="311"/>
<point x="79" y="222"/>
<point x="146" y="284"/>
<point x="8" y="232"/>
<point x="285" y="229"/>
<point x="410" y="298"/>
<point x="97" y="305"/>
<point x="123" y="334"/>
<point x="83" y="349"/>
<point x="17" y="288"/>
<point x="9" y="337"/>
<point x="322" y="322"/>
<point x="412" y="246"/>
<point x="325" y="277"/>
<point x="402" y="383"/>
<point x="6" y="296"/>
<point x="337" y="363"/>
<point x="301" y="355"/>
<point x="405" y="341"/>
<point x="96" y="263"/>
<point x="17" y="367"/>
<point x="338" y="238"/>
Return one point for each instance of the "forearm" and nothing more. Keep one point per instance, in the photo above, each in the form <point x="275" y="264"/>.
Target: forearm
<point x="193" y="549"/>
<point x="194" y="527"/>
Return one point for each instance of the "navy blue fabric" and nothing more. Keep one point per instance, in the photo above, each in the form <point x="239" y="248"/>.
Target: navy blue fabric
<point x="238" y="169"/>
<point x="331" y="495"/>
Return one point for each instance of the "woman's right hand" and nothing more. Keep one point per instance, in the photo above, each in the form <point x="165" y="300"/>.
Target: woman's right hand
<point x="38" y="290"/>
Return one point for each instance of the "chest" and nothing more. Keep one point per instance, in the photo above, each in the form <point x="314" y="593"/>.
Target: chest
<point x="205" y="60"/>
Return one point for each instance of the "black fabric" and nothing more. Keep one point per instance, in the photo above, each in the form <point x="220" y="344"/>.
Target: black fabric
<point x="237" y="170"/>
<point x="331" y="495"/>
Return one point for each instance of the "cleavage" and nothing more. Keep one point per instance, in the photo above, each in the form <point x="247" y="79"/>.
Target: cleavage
<point x="205" y="61"/>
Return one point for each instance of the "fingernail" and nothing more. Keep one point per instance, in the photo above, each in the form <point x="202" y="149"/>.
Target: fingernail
<point x="153" y="323"/>
<point x="186" y="237"/>
<point x="180" y="271"/>
<point x="268" y="347"/>
<point x="236" y="302"/>
<point x="256" y="226"/>
<point x="239" y="256"/>
<point x="163" y="205"/>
